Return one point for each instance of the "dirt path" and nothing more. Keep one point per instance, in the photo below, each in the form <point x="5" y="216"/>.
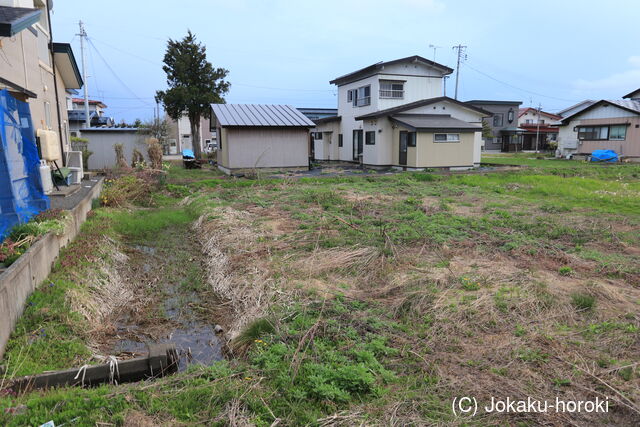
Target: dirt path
<point x="172" y="302"/>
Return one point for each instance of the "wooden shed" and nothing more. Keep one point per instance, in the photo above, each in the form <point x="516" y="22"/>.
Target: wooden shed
<point x="252" y="136"/>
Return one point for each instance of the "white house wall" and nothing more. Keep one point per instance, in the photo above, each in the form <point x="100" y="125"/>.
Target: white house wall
<point x="606" y="111"/>
<point x="420" y="82"/>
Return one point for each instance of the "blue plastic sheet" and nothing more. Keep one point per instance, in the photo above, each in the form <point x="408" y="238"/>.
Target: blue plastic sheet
<point x="604" y="156"/>
<point x="21" y="195"/>
<point x="188" y="154"/>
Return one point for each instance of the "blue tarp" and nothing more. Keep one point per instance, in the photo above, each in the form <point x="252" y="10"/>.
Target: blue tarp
<point x="604" y="156"/>
<point x="188" y="153"/>
<point x="21" y="195"/>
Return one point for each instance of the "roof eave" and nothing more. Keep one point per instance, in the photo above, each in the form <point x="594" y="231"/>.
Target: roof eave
<point x="380" y="65"/>
<point x="595" y="104"/>
<point x="18" y="88"/>
<point x="63" y="53"/>
<point x="12" y="28"/>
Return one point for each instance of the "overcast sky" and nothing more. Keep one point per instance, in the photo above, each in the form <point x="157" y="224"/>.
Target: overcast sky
<point x="555" y="53"/>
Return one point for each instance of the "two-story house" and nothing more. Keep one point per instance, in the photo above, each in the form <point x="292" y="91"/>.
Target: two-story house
<point x="392" y="114"/>
<point x="34" y="69"/>
<point x="538" y="128"/>
<point x="501" y="128"/>
<point x="77" y="119"/>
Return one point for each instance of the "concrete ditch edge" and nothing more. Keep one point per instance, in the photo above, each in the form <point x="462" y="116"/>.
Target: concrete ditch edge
<point x="23" y="276"/>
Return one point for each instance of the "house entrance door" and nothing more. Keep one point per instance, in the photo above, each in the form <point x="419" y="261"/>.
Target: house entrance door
<point x="357" y="144"/>
<point x="402" y="155"/>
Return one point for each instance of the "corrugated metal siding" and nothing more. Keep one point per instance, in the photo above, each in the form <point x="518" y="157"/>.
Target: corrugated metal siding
<point x="259" y="115"/>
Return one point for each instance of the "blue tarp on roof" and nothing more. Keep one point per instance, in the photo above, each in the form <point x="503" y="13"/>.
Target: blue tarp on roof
<point x="21" y="195"/>
<point x="604" y="156"/>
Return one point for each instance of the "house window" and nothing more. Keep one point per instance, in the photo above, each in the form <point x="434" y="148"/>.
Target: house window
<point x="618" y="133"/>
<point x="498" y="119"/>
<point x="528" y="121"/>
<point x="391" y="89"/>
<point x="370" y="138"/>
<point x="339" y="140"/>
<point x="411" y="139"/>
<point x="219" y="132"/>
<point x="446" y="137"/>
<point x="350" y="95"/>
<point x="595" y="133"/>
<point x="362" y="96"/>
<point x="510" y="115"/>
<point x="541" y="121"/>
<point x="317" y="135"/>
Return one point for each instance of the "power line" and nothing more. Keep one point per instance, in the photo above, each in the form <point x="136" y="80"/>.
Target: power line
<point x="116" y="75"/>
<point x="516" y="87"/>
<point x="150" y="61"/>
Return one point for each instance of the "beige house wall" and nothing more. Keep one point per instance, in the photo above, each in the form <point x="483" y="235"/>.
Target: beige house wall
<point x="629" y="147"/>
<point x="267" y="148"/>
<point x="429" y="154"/>
<point x="223" y="148"/>
<point x="444" y="154"/>
<point x="28" y="63"/>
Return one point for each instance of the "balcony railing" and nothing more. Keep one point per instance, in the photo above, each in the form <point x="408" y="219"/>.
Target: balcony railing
<point x="361" y="102"/>
<point x="396" y="94"/>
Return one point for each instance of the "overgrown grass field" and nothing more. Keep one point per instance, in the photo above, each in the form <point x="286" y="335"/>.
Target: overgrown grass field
<point x="373" y="300"/>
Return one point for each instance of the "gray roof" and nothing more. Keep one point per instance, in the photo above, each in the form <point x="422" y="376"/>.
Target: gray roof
<point x="15" y="19"/>
<point x="630" y="105"/>
<point x="492" y="102"/>
<point x="443" y="122"/>
<point x="375" y="68"/>
<point x="263" y="115"/>
<point x="421" y="103"/>
<point x="579" y="106"/>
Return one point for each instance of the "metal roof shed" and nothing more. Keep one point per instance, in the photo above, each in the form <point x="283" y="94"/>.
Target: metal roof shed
<point x="261" y="136"/>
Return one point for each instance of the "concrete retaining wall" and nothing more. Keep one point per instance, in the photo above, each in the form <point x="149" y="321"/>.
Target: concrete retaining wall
<point x="23" y="276"/>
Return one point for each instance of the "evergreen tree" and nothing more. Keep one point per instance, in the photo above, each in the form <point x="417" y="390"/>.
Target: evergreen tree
<point x="193" y="84"/>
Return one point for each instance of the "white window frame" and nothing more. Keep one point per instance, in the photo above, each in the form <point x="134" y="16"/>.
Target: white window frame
<point x="364" y="100"/>
<point x="449" y="137"/>
<point x="387" y="90"/>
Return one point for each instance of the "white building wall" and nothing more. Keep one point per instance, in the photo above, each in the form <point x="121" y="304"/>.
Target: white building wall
<point x="606" y="111"/>
<point x="420" y="82"/>
<point x="532" y="116"/>
<point x="348" y="112"/>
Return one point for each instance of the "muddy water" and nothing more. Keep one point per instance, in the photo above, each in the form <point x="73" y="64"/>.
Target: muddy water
<point x="164" y="309"/>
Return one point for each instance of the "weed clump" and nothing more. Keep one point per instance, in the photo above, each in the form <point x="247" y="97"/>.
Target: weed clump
<point x="583" y="301"/>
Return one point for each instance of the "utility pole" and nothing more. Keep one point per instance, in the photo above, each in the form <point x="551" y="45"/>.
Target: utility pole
<point x="82" y="35"/>
<point x="461" y="56"/>
<point x="538" y="127"/>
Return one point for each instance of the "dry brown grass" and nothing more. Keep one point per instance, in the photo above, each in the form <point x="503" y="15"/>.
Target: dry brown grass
<point x="236" y="269"/>
<point x="107" y="290"/>
<point x="515" y="333"/>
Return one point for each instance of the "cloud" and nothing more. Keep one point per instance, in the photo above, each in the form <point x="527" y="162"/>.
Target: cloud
<point x="622" y="81"/>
